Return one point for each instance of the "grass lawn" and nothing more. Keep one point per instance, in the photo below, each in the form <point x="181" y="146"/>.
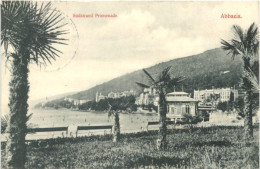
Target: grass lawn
<point x="218" y="147"/>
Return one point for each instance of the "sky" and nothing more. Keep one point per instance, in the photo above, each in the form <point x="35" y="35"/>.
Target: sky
<point x="142" y="34"/>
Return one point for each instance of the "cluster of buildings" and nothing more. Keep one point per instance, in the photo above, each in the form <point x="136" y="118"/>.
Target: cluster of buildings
<point x="179" y="103"/>
<point x="115" y="95"/>
<point x="76" y="102"/>
<point x="149" y="96"/>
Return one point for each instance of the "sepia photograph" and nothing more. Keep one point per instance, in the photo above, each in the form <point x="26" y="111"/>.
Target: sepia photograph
<point x="129" y="84"/>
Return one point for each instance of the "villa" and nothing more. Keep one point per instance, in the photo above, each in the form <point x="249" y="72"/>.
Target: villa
<point x="179" y="103"/>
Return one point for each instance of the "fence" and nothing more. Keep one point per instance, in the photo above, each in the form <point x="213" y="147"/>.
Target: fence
<point x="70" y="131"/>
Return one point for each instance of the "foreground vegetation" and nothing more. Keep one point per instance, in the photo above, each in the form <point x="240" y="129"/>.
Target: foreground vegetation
<point x="218" y="147"/>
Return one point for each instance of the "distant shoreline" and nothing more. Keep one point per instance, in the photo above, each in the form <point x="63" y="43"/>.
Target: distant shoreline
<point x="96" y="111"/>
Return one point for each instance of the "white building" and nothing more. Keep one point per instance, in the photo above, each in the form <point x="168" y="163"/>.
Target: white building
<point x="68" y="99"/>
<point x="224" y="94"/>
<point x="179" y="103"/>
<point x="99" y="97"/>
<point x="115" y="95"/>
<point x="76" y="102"/>
<point x="147" y="97"/>
<point x="83" y="101"/>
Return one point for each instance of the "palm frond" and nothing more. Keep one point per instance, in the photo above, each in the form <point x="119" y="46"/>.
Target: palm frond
<point x="175" y="82"/>
<point x="142" y="85"/>
<point x="164" y="77"/>
<point x="24" y="22"/>
<point x="4" y="121"/>
<point x="165" y="72"/>
<point x="252" y="39"/>
<point x="253" y="79"/>
<point x="256" y="49"/>
<point x="238" y="32"/>
<point x="151" y="79"/>
<point x="230" y="48"/>
<point x="251" y="33"/>
<point x="245" y="43"/>
<point x="28" y="117"/>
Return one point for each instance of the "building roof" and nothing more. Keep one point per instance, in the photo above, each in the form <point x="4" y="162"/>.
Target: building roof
<point x="180" y="99"/>
<point x="179" y="93"/>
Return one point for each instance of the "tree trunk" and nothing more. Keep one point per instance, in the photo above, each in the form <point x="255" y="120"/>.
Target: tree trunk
<point x="248" y="101"/>
<point x="162" y="142"/>
<point x="248" y="116"/>
<point x="19" y="88"/>
<point x="116" y="136"/>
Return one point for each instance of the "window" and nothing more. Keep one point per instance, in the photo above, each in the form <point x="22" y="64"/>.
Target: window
<point x="171" y="110"/>
<point x="183" y="109"/>
<point x="187" y="108"/>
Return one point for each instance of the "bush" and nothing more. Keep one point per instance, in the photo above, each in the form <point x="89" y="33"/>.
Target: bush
<point x="189" y="119"/>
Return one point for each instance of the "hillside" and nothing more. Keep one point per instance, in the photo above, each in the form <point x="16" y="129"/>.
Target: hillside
<point x="210" y="68"/>
<point x="32" y="103"/>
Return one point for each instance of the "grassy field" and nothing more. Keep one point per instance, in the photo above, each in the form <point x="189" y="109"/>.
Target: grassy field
<point x="219" y="147"/>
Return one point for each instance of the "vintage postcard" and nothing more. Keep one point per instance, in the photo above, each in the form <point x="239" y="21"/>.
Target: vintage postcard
<point x="131" y="84"/>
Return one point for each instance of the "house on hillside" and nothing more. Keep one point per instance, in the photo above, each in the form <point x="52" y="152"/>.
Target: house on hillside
<point x="179" y="103"/>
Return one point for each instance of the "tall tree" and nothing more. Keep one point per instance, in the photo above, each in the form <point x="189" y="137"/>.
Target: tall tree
<point x="28" y="32"/>
<point x="115" y="106"/>
<point x="246" y="44"/>
<point x="162" y="84"/>
<point x="116" y="130"/>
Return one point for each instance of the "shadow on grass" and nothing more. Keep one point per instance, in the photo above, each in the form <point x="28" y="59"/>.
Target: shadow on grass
<point x="213" y="143"/>
<point x="159" y="161"/>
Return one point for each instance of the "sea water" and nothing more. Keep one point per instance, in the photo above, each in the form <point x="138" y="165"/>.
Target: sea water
<point x="129" y="122"/>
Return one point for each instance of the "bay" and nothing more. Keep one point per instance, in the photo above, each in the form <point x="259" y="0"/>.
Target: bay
<point x="129" y="123"/>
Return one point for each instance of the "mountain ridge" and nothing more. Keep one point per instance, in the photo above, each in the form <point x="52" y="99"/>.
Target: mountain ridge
<point x="202" y="71"/>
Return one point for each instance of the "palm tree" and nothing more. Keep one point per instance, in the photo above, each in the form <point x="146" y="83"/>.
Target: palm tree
<point x="114" y="110"/>
<point x="162" y="84"/>
<point x="116" y="130"/>
<point x="246" y="45"/>
<point x="28" y="32"/>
